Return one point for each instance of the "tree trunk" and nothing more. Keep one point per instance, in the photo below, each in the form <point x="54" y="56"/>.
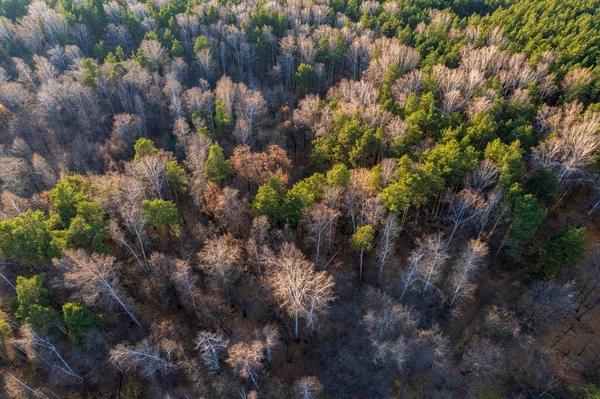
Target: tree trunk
<point x="296" y="328"/>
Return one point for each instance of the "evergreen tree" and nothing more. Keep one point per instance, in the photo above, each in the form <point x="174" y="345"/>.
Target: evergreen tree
<point x="218" y="168"/>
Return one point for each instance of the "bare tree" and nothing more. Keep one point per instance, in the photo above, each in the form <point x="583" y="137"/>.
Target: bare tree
<point x="318" y="220"/>
<point x="414" y="270"/>
<point x="467" y="267"/>
<point x="464" y="207"/>
<point x="94" y="275"/>
<point x="386" y="246"/>
<point x="246" y="359"/>
<point x="299" y="289"/>
<point x="271" y="340"/>
<point x="147" y="357"/>
<point x="435" y="256"/>
<point x="185" y="281"/>
<point x="389" y="327"/>
<point x="44" y="350"/>
<point x="220" y="259"/>
<point x="308" y="387"/>
<point x="211" y="346"/>
<point x="484" y="175"/>
<point x="154" y="52"/>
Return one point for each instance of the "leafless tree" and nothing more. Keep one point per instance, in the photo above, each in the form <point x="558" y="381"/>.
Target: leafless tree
<point x="154" y="52"/>
<point x="211" y="346"/>
<point x="414" y="270"/>
<point x="308" y="387"/>
<point x="95" y="276"/>
<point x="484" y="175"/>
<point x="435" y="255"/>
<point x="40" y="347"/>
<point x="318" y="219"/>
<point x="147" y="357"/>
<point x="271" y="338"/>
<point x="464" y="207"/>
<point x="357" y="196"/>
<point x="571" y="150"/>
<point x="221" y="259"/>
<point x="466" y="268"/>
<point x="389" y="327"/>
<point x="242" y="131"/>
<point x="246" y="359"/>
<point x="386" y="245"/>
<point x="299" y="289"/>
<point x="185" y="281"/>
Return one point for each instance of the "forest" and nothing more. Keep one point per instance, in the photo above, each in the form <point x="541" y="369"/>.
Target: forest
<point x="309" y="199"/>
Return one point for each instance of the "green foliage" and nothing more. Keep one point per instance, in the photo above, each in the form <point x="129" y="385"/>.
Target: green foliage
<point x="508" y="159"/>
<point x="222" y="117"/>
<point x="393" y="72"/>
<point x="567" y="27"/>
<point x="13" y="9"/>
<point x="543" y="186"/>
<point x="362" y="240"/>
<point x="5" y="328"/>
<point x="143" y="147"/>
<point x="351" y="143"/>
<point x="451" y="160"/>
<point x="304" y="76"/>
<point x="79" y="321"/>
<point x="422" y="121"/>
<point x="91" y="71"/>
<point x="218" y="168"/>
<point x="87" y="229"/>
<point x="564" y="249"/>
<point x="303" y="195"/>
<point x="269" y="201"/>
<point x="28" y="237"/>
<point x="527" y="215"/>
<point x="176" y="177"/>
<point x="412" y="186"/>
<point x="31" y="300"/>
<point x="591" y="391"/>
<point x="338" y="175"/>
<point x="69" y="191"/>
<point x="176" y="48"/>
<point x="162" y="215"/>
<point x="201" y="43"/>
<point x="83" y="220"/>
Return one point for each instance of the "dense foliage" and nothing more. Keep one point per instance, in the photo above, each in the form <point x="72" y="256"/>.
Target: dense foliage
<point x="311" y="199"/>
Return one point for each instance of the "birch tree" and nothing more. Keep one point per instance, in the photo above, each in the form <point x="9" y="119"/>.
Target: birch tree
<point x="466" y="268"/>
<point x="95" y="276"/>
<point x="308" y="387"/>
<point x="386" y="244"/>
<point x="246" y="359"/>
<point x="463" y="207"/>
<point x="300" y="290"/>
<point x="149" y="358"/>
<point x="36" y="345"/>
<point x="220" y="259"/>
<point x="211" y="346"/>
<point x="318" y="219"/>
